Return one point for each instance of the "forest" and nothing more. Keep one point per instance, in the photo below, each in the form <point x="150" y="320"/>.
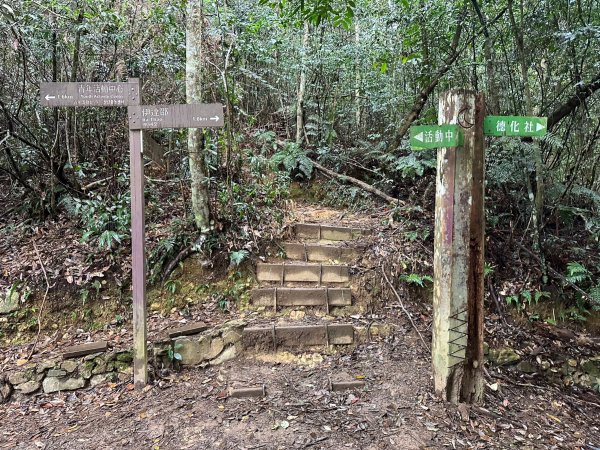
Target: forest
<point x="320" y="100"/>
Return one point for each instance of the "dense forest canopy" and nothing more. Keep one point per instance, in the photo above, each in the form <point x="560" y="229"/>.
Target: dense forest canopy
<point x="333" y="82"/>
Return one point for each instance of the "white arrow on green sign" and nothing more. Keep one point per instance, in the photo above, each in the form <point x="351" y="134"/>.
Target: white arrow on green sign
<point x="433" y="136"/>
<point x="514" y="126"/>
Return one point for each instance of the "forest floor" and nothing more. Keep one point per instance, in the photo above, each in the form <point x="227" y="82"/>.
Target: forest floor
<point x="190" y="409"/>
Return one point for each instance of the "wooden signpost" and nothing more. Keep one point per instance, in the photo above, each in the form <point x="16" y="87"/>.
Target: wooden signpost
<point x="457" y="347"/>
<point x="143" y="118"/>
<point x="111" y="94"/>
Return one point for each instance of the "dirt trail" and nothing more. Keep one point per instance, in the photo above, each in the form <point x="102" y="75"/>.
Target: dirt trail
<point x="396" y="409"/>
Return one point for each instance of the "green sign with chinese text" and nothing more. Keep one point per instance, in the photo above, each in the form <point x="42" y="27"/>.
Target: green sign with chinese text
<point x="514" y="126"/>
<point x="434" y="136"/>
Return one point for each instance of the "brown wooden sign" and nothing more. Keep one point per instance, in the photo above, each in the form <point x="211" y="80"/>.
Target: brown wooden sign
<point x="176" y="116"/>
<point x="90" y="94"/>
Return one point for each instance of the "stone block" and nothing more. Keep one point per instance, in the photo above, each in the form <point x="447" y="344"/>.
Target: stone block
<point x="28" y="387"/>
<point x="56" y="373"/>
<point x="69" y="365"/>
<point x="54" y="384"/>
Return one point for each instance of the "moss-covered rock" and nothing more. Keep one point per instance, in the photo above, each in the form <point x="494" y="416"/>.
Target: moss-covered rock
<point x="503" y="356"/>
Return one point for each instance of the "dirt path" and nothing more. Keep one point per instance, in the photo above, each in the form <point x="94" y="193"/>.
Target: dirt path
<point x="396" y="409"/>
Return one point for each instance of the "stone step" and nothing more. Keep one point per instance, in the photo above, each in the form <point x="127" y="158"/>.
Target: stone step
<point x="301" y="297"/>
<point x="278" y="336"/>
<point x="328" y="232"/>
<point x="319" y="273"/>
<point x="319" y="252"/>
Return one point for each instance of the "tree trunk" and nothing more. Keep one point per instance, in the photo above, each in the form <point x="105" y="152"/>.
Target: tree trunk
<point x="302" y="86"/>
<point x="193" y="88"/>
<point x="537" y="216"/>
<point x="357" y="80"/>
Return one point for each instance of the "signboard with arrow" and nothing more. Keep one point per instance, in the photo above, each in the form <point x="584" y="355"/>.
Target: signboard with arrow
<point x="515" y="126"/>
<point x="204" y="115"/>
<point x="89" y="94"/>
<point x="435" y="136"/>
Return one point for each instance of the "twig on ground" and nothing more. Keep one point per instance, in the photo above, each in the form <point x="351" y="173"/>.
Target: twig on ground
<point x="39" y="317"/>
<point x="403" y="308"/>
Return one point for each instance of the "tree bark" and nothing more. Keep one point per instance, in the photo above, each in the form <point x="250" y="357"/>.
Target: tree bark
<point x="581" y="94"/>
<point x="302" y="86"/>
<point x="193" y="87"/>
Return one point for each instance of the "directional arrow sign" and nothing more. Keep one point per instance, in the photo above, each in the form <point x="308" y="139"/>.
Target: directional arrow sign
<point x="176" y="116"/>
<point x="434" y="136"/>
<point x="514" y="126"/>
<point x="89" y="94"/>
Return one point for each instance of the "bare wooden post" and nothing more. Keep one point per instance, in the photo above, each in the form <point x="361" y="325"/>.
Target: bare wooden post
<point x="457" y="348"/>
<point x="138" y="257"/>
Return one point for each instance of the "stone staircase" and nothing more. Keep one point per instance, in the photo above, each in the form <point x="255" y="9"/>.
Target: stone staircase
<point x="313" y="275"/>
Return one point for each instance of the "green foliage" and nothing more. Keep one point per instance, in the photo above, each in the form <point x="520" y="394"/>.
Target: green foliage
<point x="416" y="279"/>
<point x="103" y="220"/>
<point x="172" y="352"/>
<point x="525" y="298"/>
<point x="294" y="160"/>
<point x="237" y="257"/>
<point x="579" y="275"/>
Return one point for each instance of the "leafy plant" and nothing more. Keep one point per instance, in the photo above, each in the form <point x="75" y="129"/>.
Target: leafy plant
<point x="172" y="352"/>
<point x="417" y="279"/>
<point x="294" y="160"/>
<point x="524" y="298"/>
<point x="237" y="257"/>
<point x="105" y="220"/>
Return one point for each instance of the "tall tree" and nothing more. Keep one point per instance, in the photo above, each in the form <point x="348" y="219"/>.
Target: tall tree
<point x="193" y="88"/>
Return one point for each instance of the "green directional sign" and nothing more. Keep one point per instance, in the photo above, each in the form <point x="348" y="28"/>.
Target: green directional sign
<point x="434" y="136"/>
<point x="514" y="126"/>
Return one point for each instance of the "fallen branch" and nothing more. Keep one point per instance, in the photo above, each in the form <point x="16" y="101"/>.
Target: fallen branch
<point x="39" y="317"/>
<point x="404" y="309"/>
<point x="360" y="184"/>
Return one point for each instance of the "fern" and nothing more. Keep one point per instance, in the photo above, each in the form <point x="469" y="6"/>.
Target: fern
<point x="417" y="279"/>
<point x="293" y="158"/>
<point x="237" y="257"/>
<point x="577" y="273"/>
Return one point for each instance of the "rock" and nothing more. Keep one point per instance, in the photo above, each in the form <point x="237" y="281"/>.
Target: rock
<point x="69" y="365"/>
<point x="103" y="364"/>
<point x="232" y="336"/>
<point x="545" y="365"/>
<point x="54" y="384"/>
<point x="125" y="357"/>
<point x="15" y="378"/>
<point x="297" y="315"/>
<point x="45" y="365"/>
<point x="85" y="370"/>
<point x="6" y="390"/>
<point x="591" y="367"/>
<point x="123" y="367"/>
<point x="191" y="350"/>
<point x="226" y="355"/>
<point x="55" y="373"/>
<point x="527" y="367"/>
<point x="503" y="356"/>
<point x="10" y="302"/>
<point x="102" y="378"/>
<point x="216" y="347"/>
<point x="123" y="377"/>
<point x="28" y="387"/>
